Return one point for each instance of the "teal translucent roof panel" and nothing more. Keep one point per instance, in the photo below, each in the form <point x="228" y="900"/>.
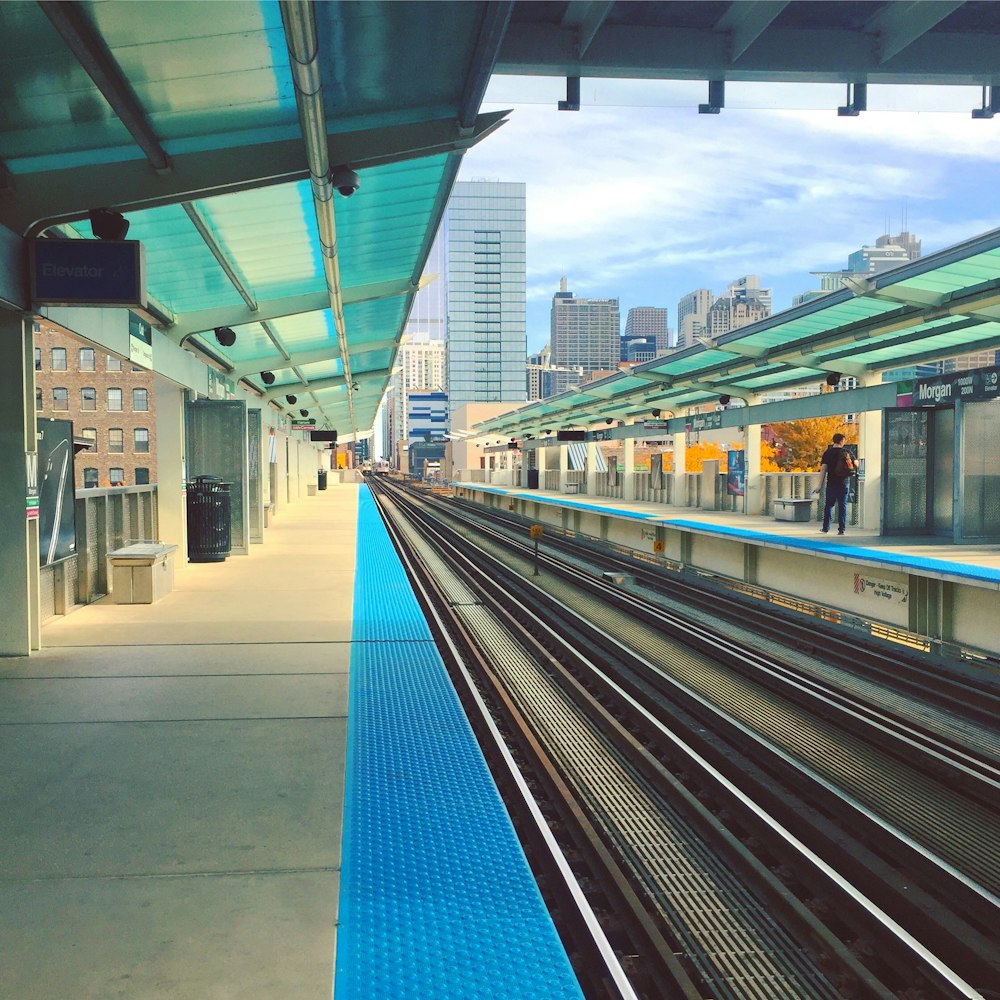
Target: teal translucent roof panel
<point x="381" y="230"/>
<point x="407" y="57"/>
<point x="181" y="271"/>
<point x="196" y="69"/>
<point x="306" y="331"/>
<point x="271" y="237"/>
<point x="831" y="317"/>
<point x="983" y="335"/>
<point x="958" y="276"/>
<point x="374" y="320"/>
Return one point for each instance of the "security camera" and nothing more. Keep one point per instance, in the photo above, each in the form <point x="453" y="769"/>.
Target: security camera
<point x="345" y="180"/>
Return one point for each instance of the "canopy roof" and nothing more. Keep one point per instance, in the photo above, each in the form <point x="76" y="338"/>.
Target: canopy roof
<point x="945" y="304"/>
<point x="192" y="120"/>
<point x="185" y="117"/>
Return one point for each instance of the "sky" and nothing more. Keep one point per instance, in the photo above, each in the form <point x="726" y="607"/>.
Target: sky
<point x="646" y="202"/>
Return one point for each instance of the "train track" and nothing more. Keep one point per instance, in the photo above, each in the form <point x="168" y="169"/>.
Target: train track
<point x="657" y="748"/>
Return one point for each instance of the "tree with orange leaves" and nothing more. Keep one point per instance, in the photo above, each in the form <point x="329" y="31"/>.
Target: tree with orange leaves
<point x="799" y="444"/>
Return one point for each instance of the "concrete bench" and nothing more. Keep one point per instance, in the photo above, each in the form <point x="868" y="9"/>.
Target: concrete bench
<point x="787" y="509"/>
<point x="571" y="488"/>
<point x="141" y="573"/>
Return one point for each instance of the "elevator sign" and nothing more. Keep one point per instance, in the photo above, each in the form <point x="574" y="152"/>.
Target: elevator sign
<point x="87" y="272"/>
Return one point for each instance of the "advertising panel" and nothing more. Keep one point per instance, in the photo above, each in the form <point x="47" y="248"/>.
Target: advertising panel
<point x="56" y="491"/>
<point x="736" y="478"/>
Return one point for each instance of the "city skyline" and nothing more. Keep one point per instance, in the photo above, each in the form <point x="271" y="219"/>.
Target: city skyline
<point x="648" y="204"/>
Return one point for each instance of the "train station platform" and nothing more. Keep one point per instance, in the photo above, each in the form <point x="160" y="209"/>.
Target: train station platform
<point x="922" y="585"/>
<point x="179" y="779"/>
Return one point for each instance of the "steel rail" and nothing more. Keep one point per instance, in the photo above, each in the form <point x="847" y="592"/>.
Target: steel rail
<point x="711" y="925"/>
<point x="915" y="944"/>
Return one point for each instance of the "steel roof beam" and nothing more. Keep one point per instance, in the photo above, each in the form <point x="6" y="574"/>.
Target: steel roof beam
<point x="898" y="25"/>
<point x="49" y="197"/>
<point x="218" y="252"/>
<point x="780" y="54"/>
<point x="492" y="28"/>
<point x="296" y="359"/>
<point x="744" y="23"/>
<point x="586" y="18"/>
<point x="91" y="52"/>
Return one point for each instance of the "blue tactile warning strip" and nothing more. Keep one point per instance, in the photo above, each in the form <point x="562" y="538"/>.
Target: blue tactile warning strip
<point x="898" y="560"/>
<point x="436" y="897"/>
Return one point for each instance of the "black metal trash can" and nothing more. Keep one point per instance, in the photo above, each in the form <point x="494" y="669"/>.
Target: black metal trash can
<point x="532" y="479"/>
<point x="208" y="519"/>
<point x="321" y="478"/>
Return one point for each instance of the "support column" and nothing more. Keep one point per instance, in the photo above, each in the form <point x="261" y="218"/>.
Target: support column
<point x="170" y="471"/>
<point x="870" y="451"/>
<point x="592" y="468"/>
<point x="20" y="626"/>
<point x="754" y="493"/>
<point x="678" y="492"/>
<point x="628" y="460"/>
<point x="563" y="467"/>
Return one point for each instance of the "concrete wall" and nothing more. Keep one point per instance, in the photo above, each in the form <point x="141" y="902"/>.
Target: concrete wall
<point x="950" y="610"/>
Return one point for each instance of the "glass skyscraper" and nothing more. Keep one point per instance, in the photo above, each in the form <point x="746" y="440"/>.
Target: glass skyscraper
<point x="487" y="341"/>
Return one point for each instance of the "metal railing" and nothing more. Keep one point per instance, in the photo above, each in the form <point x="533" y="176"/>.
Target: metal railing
<point x="106" y="519"/>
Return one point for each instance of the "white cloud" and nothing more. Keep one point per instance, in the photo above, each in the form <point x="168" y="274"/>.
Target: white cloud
<point x="649" y="203"/>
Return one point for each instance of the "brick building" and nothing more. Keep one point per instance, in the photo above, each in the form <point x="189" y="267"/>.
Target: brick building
<point x="109" y="401"/>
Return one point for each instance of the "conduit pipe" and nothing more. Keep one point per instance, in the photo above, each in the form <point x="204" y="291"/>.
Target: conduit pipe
<point x="299" y="22"/>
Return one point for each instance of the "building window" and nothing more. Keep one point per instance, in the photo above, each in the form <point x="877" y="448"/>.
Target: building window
<point x="88" y="359"/>
<point x="88" y="398"/>
<point x="90" y="478"/>
<point x="60" y="398"/>
<point x="113" y="364"/>
<point x="59" y="359"/>
<point x="38" y="359"/>
<point x="39" y="404"/>
<point x="90" y="433"/>
<point x="141" y="435"/>
<point x="114" y="399"/>
<point x="140" y="399"/>
<point x="116" y="476"/>
<point x="141" y="477"/>
<point x="116" y="440"/>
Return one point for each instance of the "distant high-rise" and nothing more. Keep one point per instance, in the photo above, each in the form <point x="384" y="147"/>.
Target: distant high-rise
<point x="692" y="316"/>
<point x="429" y="312"/>
<point x="745" y="302"/>
<point x="648" y="322"/>
<point x="586" y="333"/>
<point x="544" y="380"/>
<point x="487" y="342"/>
<point x="888" y="252"/>
<point x="421" y="369"/>
<point x="907" y="241"/>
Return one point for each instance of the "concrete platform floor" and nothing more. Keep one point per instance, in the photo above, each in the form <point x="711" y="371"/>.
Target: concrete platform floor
<point x="172" y="775"/>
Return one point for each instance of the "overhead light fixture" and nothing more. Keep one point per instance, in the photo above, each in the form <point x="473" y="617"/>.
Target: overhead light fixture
<point x="225" y="336"/>
<point x="724" y="400"/>
<point x="267" y="378"/>
<point x="108" y="225"/>
<point x="654" y="412"/>
<point x="291" y="400"/>
<point x="833" y="378"/>
<point x="304" y="413"/>
<point x="608" y="420"/>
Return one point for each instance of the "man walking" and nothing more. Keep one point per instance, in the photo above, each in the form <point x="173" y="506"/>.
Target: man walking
<point x="837" y="466"/>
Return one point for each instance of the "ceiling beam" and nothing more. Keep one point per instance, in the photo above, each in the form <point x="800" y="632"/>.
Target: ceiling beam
<point x="898" y="25"/>
<point x="779" y="55"/>
<point x="91" y="52"/>
<point x="297" y="359"/>
<point x="492" y="28"/>
<point x="586" y="17"/>
<point x="745" y="22"/>
<point x="188" y="324"/>
<point x="48" y="197"/>
<point x="219" y="253"/>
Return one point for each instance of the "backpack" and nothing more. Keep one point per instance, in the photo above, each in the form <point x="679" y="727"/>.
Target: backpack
<point x="846" y="465"/>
